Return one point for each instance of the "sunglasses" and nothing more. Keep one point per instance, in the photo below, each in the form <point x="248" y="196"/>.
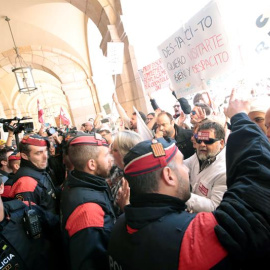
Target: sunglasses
<point x="207" y="142"/>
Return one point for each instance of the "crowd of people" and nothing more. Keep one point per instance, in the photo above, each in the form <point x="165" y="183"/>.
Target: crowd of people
<point x="192" y="193"/>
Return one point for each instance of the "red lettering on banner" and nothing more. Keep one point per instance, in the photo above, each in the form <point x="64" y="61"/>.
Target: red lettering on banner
<point x="154" y="75"/>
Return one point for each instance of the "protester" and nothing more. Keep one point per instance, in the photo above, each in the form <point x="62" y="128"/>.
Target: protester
<point x="87" y="214"/>
<point x="88" y="127"/>
<point x="129" y="122"/>
<point x="182" y="136"/>
<point x="257" y="112"/>
<point x="207" y="168"/>
<point x="267" y="123"/>
<point x="156" y="232"/>
<point x="123" y="142"/>
<point x="106" y="133"/>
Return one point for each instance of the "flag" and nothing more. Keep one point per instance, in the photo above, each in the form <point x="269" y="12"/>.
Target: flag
<point x="63" y="117"/>
<point x="142" y="128"/>
<point x="40" y="114"/>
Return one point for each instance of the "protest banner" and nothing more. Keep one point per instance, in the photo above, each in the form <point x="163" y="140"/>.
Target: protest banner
<point x="197" y="51"/>
<point x="115" y="54"/>
<point x="154" y="76"/>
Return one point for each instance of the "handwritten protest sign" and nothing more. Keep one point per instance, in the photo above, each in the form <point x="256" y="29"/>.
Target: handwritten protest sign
<point x="197" y="51"/>
<point x="115" y="54"/>
<point x="155" y="76"/>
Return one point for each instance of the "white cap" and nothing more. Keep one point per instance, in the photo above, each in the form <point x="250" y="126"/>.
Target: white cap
<point x="260" y="104"/>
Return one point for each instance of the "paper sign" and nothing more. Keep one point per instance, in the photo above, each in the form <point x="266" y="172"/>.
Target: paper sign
<point x="155" y="76"/>
<point x="115" y="55"/>
<point x="203" y="135"/>
<point x="197" y="51"/>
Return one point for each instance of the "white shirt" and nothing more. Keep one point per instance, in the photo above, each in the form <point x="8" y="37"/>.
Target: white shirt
<point x="209" y="185"/>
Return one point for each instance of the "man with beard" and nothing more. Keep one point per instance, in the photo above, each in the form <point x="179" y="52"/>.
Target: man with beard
<point x="166" y="125"/>
<point x="87" y="214"/>
<point x="207" y="168"/>
<point x="156" y="232"/>
<point x="31" y="181"/>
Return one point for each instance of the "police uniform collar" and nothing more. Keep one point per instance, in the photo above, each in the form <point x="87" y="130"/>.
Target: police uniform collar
<point x="83" y="179"/>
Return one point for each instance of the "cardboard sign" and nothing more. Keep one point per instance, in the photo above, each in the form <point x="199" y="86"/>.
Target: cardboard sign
<point x="155" y="76"/>
<point x="115" y="55"/>
<point x="197" y="51"/>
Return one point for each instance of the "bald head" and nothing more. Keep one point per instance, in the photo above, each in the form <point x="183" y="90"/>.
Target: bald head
<point x="267" y="123"/>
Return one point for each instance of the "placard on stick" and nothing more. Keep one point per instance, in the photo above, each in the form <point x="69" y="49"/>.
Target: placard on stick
<point x="115" y="55"/>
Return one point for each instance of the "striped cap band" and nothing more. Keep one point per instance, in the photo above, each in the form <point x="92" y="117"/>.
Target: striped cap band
<point x="91" y="139"/>
<point x="146" y="160"/>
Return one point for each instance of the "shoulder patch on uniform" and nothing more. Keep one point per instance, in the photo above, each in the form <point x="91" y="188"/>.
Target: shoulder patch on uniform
<point x="23" y="184"/>
<point x="85" y="216"/>
<point x="200" y="243"/>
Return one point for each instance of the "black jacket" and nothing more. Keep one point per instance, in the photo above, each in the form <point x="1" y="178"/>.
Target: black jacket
<point x="36" y="185"/>
<point x="21" y="249"/>
<point x="183" y="142"/>
<point x="87" y="218"/>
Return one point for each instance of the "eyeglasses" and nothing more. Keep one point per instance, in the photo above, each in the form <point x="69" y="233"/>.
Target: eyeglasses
<point x="149" y="119"/>
<point x="207" y="142"/>
<point x="193" y="112"/>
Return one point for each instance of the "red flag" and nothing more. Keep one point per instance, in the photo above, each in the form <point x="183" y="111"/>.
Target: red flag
<point x="40" y="114"/>
<point x="63" y="117"/>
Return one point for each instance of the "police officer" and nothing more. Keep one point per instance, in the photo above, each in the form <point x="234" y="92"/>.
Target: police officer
<point x="87" y="214"/>
<point x="32" y="181"/>
<point x="27" y="236"/>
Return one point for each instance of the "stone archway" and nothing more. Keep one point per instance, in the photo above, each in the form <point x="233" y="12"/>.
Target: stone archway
<point x="76" y="86"/>
<point x="106" y="15"/>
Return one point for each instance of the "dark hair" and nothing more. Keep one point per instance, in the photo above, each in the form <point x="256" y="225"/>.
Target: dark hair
<point x="24" y="148"/>
<point x="153" y="114"/>
<point x="145" y="183"/>
<point x="141" y="114"/>
<point x="166" y="113"/>
<point x="218" y="128"/>
<point x="3" y="156"/>
<point x="197" y="98"/>
<point x="204" y="107"/>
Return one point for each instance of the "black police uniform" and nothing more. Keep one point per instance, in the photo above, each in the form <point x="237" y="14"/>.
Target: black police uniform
<point x="18" y="250"/>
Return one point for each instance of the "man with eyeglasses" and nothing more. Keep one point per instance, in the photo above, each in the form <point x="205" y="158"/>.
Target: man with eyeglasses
<point x="207" y="168"/>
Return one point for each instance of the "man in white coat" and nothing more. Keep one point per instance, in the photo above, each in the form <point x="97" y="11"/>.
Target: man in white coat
<point x="207" y="168"/>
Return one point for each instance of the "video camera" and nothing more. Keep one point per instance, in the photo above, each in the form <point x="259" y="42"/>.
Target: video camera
<point x="17" y="126"/>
